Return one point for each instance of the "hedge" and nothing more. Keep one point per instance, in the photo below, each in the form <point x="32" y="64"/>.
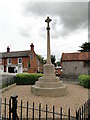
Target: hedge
<point x="27" y="79"/>
<point x="84" y="80"/>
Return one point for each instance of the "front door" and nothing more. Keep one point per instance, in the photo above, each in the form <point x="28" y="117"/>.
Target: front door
<point x="11" y="69"/>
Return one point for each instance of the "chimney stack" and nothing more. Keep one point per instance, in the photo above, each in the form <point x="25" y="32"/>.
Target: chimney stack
<point x="8" y="49"/>
<point x="32" y="47"/>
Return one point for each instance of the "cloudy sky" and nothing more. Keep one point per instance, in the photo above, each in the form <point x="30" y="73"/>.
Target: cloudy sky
<point x="22" y="22"/>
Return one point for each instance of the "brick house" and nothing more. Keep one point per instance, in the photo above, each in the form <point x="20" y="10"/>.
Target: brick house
<point x="20" y="61"/>
<point x="74" y="64"/>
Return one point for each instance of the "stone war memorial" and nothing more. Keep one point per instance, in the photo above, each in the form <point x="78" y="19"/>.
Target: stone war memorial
<point x="49" y="84"/>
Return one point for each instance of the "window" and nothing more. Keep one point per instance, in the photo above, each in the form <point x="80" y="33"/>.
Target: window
<point x="31" y="56"/>
<point x="9" y="60"/>
<point x="19" y="60"/>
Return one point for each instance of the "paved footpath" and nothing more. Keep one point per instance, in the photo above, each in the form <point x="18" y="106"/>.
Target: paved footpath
<point x="75" y="98"/>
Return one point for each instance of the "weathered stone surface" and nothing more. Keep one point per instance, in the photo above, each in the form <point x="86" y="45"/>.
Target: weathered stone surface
<point x="49" y="84"/>
<point x="74" y="68"/>
<point x="51" y="92"/>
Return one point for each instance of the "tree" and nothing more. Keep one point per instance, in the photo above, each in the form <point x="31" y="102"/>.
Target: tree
<point x="53" y="59"/>
<point x="58" y="63"/>
<point x="85" y="47"/>
<point x="41" y="59"/>
<point x="44" y="61"/>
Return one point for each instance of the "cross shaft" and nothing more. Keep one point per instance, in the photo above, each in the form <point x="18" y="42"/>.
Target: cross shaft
<point x="48" y="20"/>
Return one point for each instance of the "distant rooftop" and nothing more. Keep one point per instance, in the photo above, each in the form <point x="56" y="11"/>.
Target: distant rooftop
<point x="78" y="56"/>
<point x="15" y="54"/>
<point x="9" y="54"/>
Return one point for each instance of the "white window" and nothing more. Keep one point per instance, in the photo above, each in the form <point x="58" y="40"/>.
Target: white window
<point x="9" y="61"/>
<point x="19" y="60"/>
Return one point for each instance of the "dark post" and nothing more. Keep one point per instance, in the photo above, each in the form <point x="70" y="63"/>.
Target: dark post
<point x="5" y="108"/>
<point x="69" y="114"/>
<point x="77" y="115"/>
<point x="33" y="110"/>
<point x="82" y="112"/>
<point x="39" y="111"/>
<point x="61" y="113"/>
<point x="21" y="109"/>
<point x="14" y="107"/>
<point x="53" y="112"/>
<point x="27" y="110"/>
<point x="10" y="109"/>
<point x="46" y="111"/>
<point x="89" y="109"/>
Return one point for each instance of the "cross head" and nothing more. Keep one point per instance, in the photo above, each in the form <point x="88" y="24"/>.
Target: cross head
<point x="48" y="20"/>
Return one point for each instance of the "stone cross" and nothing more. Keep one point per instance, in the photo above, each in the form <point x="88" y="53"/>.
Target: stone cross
<point x="48" y="20"/>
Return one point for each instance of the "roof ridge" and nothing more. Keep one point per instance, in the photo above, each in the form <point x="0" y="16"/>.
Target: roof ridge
<point x="75" y="52"/>
<point x="16" y="51"/>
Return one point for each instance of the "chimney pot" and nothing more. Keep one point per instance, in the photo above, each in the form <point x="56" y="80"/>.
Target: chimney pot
<point x="32" y="47"/>
<point x="8" y="49"/>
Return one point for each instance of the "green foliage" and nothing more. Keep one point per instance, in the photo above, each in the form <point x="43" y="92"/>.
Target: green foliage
<point x="41" y="59"/>
<point x="58" y="63"/>
<point x="44" y="61"/>
<point x="84" y="80"/>
<point x="27" y="79"/>
<point x="85" y="47"/>
<point x="53" y="59"/>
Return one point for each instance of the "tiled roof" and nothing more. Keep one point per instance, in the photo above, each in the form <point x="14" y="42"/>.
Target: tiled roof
<point x="15" y="54"/>
<point x="79" y="56"/>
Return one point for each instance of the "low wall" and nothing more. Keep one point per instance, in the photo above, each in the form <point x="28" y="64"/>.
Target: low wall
<point x="69" y="79"/>
<point x="7" y="78"/>
<point x="8" y="87"/>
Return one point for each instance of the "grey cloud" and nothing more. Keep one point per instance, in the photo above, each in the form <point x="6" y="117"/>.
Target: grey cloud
<point x="72" y="15"/>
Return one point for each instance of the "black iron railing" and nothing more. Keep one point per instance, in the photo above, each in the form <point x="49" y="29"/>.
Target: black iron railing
<point x="12" y="111"/>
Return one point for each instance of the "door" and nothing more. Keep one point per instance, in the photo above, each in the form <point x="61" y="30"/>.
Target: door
<point x="11" y="69"/>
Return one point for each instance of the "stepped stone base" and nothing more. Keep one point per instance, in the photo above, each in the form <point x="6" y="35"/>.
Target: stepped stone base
<point x="49" y="84"/>
<point x="52" y="92"/>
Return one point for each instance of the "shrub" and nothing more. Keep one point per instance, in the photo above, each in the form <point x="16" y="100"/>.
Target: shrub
<point x="27" y="79"/>
<point x="84" y="80"/>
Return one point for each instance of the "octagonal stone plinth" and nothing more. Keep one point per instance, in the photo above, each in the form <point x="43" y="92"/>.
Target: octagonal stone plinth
<point x="51" y="92"/>
<point x="49" y="84"/>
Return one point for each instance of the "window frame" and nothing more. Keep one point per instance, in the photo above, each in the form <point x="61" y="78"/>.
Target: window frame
<point x="31" y="56"/>
<point x="9" y="61"/>
<point x="19" y="62"/>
